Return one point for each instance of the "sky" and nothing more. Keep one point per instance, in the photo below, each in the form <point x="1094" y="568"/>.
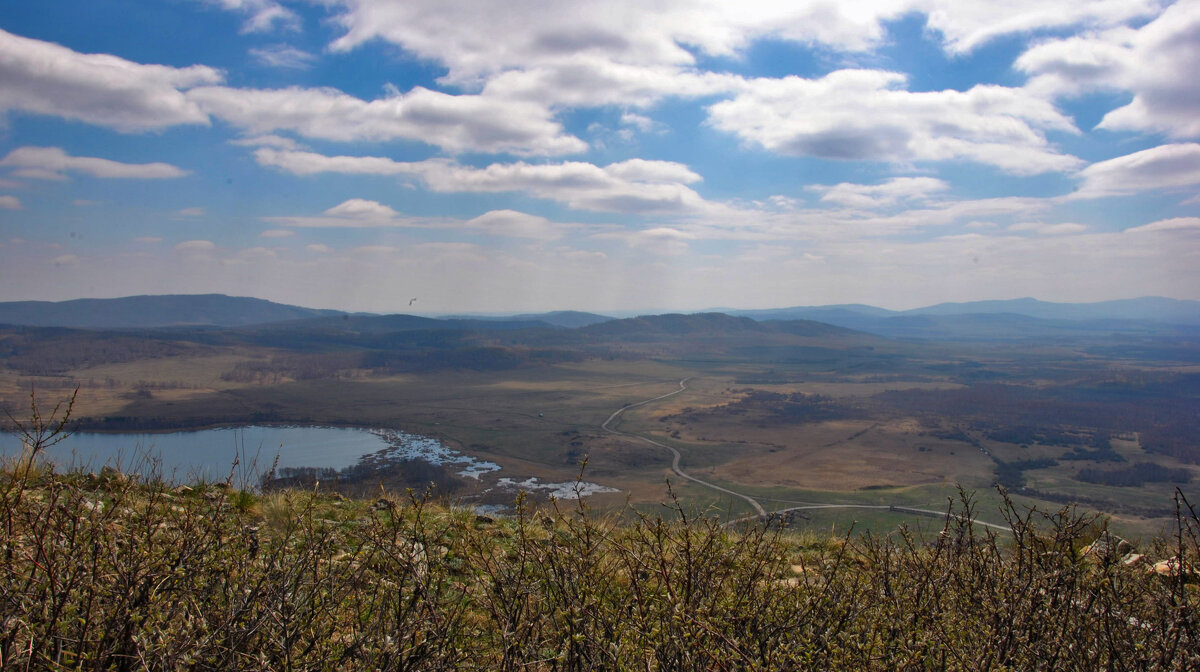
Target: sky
<point x="601" y="155"/>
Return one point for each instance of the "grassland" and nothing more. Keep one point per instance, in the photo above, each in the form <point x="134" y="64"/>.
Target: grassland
<point x="840" y="418"/>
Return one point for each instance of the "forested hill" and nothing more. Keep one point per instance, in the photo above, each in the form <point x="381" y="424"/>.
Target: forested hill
<point x="166" y="310"/>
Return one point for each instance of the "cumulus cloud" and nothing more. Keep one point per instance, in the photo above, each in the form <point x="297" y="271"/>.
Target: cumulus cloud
<point x="45" y="78"/>
<point x="1173" y="166"/>
<point x="454" y="123"/>
<point x="355" y="213"/>
<point x="633" y="186"/>
<point x="283" y="56"/>
<point x="459" y="35"/>
<point x="578" y="53"/>
<point x="663" y="240"/>
<point x="311" y="163"/>
<point x="964" y="26"/>
<point x="895" y="190"/>
<point x="10" y="203"/>
<point x="518" y="225"/>
<point x="994" y="125"/>
<point x="582" y="80"/>
<point x="1156" y="62"/>
<point x="53" y="163"/>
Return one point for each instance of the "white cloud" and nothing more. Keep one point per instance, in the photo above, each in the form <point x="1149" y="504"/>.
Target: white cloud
<point x="101" y="89"/>
<point x="375" y="250"/>
<point x="355" y="213"/>
<point x="256" y="254"/>
<point x="10" y="203"/>
<point x="455" y="123"/>
<point x="196" y="246"/>
<point x="967" y="25"/>
<point x="1157" y="63"/>
<point x="318" y="248"/>
<point x="362" y="213"/>
<point x="191" y="212"/>
<point x="53" y="162"/>
<point x="276" y="141"/>
<point x="994" y="125"/>
<point x="276" y="233"/>
<point x="283" y="56"/>
<point x="577" y="53"/>
<point x="582" y="80"/>
<point x="361" y="209"/>
<point x="663" y="240"/>
<point x="633" y="186"/>
<point x="888" y="193"/>
<point x="311" y="163"/>
<point x="518" y="225"/>
<point x="639" y="121"/>
<point x="1176" y="224"/>
<point x="1062" y="229"/>
<point x="461" y="34"/>
<point x="262" y="15"/>
<point x="1174" y="166"/>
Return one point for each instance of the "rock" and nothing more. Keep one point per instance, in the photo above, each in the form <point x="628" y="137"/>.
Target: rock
<point x="1133" y="559"/>
<point x="481" y="519"/>
<point x="1173" y="568"/>
<point x="1107" y="549"/>
<point x="110" y="475"/>
<point x="182" y="490"/>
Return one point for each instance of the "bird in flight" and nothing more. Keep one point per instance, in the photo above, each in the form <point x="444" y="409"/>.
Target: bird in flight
<point x="412" y="300"/>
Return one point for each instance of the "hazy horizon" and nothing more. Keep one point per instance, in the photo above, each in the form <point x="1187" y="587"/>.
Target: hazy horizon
<point x="618" y="312"/>
<point x="616" y="156"/>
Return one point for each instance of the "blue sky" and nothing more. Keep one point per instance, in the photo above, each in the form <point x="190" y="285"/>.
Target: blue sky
<point x="534" y="155"/>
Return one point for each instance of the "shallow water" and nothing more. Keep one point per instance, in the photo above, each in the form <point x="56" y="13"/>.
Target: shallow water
<point x="246" y="452"/>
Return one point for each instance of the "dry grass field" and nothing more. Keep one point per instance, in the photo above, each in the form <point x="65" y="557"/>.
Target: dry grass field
<point x="781" y="423"/>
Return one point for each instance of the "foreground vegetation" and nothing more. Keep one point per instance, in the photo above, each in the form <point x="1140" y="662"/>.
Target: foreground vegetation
<point x="113" y="571"/>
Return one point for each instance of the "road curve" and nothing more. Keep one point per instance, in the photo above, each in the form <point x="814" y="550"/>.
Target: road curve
<point x="675" y="453"/>
<point x="882" y="507"/>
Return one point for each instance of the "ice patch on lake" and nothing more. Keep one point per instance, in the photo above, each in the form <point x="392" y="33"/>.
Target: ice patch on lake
<point x="564" y="490"/>
<point x="402" y="446"/>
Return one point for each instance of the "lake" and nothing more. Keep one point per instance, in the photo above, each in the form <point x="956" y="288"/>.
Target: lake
<point x="211" y="453"/>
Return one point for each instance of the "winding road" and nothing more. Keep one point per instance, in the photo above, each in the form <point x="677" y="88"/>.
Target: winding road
<point x="675" y="453"/>
<point x="761" y="512"/>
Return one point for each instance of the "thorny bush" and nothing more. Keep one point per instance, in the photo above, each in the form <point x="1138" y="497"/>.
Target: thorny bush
<point x="123" y="572"/>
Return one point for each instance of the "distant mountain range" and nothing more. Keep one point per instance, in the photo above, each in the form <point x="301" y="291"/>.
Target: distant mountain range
<point x="162" y="310"/>
<point x="1017" y="318"/>
<point x="1149" y="308"/>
